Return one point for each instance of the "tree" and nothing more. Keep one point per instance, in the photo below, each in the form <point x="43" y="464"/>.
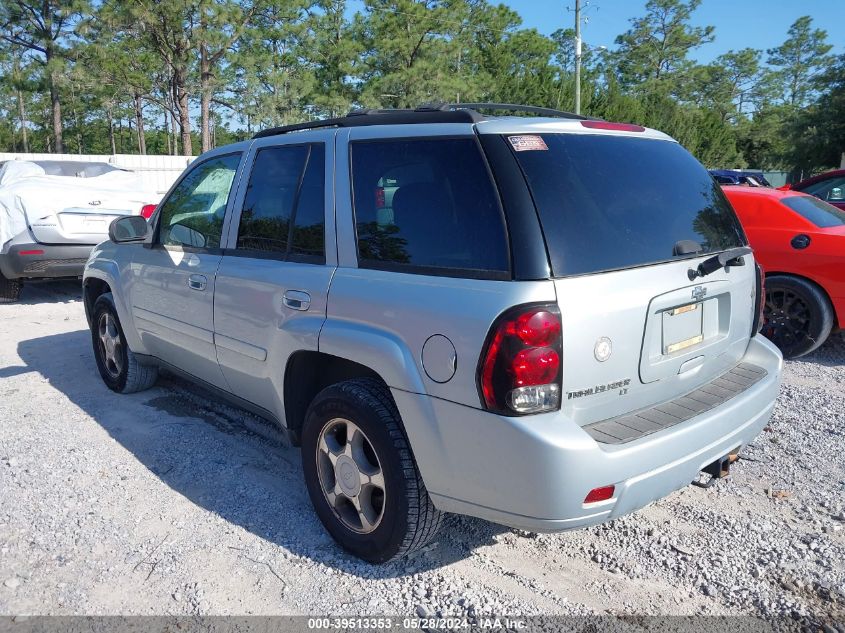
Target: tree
<point x="124" y="70"/>
<point x="16" y="79"/>
<point x="274" y="81"/>
<point x="165" y="30"/>
<point x="654" y="50"/>
<point x="761" y="139"/>
<point x="45" y="30"/>
<point x="334" y="53"/>
<point x="727" y="85"/>
<point x="800" y="59"/>
<point x="220" y="24"/>
<point x="504" y="63"/>
<point x="411" y="51"/>
<point x="818" y="133"/>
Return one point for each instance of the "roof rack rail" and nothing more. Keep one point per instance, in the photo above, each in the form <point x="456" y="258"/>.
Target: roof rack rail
<point x="295" y="127"/>
<point x="510" y="107"/>
<point x="362" y="117"/>
<point x="427" y="113"/>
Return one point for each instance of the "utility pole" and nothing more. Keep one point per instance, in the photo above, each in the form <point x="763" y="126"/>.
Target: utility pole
<point x="577" y="56"/>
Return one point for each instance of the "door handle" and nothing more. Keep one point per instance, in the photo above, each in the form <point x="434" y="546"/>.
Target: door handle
<point x="297" y="300"/>
<point x="197" y="282"/>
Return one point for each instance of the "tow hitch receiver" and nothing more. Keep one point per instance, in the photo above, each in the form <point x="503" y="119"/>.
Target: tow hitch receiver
<point x="719" y="469"/>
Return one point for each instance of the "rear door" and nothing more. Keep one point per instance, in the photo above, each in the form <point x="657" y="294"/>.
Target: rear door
<point x="626" y="219"/>
<point x="171" y="286"/>
<point x="424" y="258"/>
<point x="270" y="297"/>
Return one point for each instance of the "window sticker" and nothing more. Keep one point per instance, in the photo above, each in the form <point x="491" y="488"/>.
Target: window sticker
<point x="528" y="143"/>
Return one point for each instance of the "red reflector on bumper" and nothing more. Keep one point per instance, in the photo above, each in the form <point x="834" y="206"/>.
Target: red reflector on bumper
<point x="30" y="252"/>
<point x="599" y="494"/>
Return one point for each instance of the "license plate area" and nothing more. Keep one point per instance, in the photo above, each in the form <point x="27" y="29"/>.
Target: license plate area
<point x="76" y="221"/>
<point x="722" y="318"/>
<point x="683" y="327"/>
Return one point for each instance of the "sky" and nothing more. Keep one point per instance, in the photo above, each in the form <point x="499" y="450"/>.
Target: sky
<point x="739" y="24"/>
<point x="760" y="24"/>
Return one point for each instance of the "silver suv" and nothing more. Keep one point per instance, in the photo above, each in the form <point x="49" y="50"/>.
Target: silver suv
<point x="546" y="322"/>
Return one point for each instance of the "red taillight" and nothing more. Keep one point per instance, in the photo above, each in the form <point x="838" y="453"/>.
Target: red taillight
<point x="608" y="125"/>
<point x="537" y="327"/>
<point x="599" y="494"/>
<point x="535" y="366"/>
<point x="380" y="200"/>
<point x="520" y="369"/>
<point x="147" y="211"/>
<point x="34" y="252"/>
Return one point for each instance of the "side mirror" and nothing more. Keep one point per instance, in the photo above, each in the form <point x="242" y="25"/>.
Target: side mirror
<point x="130" y="228"/>
<point x="187" y="236"/>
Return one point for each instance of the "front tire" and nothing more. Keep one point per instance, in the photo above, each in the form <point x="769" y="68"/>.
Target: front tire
<point x="798" y="316"/>
<point x="361" y="475"/>
<point x="10" y="289"/>
<point x="118" y="366"/>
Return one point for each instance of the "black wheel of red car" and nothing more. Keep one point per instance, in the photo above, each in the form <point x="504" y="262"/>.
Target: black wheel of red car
<point x="798" y="316"/>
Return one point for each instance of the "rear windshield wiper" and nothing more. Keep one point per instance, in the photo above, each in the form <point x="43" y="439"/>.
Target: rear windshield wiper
<point x="726" y="259"/>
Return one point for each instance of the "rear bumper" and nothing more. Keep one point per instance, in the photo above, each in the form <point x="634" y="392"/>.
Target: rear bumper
<point x="44" y="261"/>
<point x="534" y="472"/>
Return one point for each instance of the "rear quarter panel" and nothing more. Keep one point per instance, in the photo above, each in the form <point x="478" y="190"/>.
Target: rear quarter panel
<point x="771" y="226"/>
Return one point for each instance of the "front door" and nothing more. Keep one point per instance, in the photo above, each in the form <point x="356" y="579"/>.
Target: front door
<point x="172" y="289"/>
<point x="271" y="289"/>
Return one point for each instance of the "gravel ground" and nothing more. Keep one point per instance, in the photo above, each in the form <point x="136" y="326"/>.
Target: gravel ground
<point x="169" y="502"/>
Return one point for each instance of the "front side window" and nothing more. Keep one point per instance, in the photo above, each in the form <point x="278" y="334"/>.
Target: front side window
<point x="193" y="213"/>
<point x="284" y="210"/>
<point x="427" y="206"/>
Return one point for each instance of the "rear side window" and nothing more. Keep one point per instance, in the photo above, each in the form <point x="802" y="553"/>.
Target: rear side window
<point x="612" y="202"/>
<point x="283" y="213"/>
<point x="816" y="211"/>
<point x="428" y="206"/>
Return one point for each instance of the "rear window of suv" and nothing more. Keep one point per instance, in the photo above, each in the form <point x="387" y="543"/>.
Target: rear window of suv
<point x="428" y="206"/>
<point x="613" y="202"/>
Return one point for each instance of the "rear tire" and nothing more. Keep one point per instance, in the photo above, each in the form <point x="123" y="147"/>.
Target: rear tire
<point x="118" y="366"/>
<point x="375" y="505"/>
<point x="798" y="315"/>
<point x="10" y="289"/>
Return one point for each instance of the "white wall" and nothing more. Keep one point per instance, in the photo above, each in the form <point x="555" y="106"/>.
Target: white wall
<point x="157" y="172"/>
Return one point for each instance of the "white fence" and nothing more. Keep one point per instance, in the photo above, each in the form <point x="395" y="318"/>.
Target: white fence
<point x="156" y="172"/>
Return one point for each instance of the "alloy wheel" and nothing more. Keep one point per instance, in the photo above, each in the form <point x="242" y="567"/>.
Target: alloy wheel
<point x="351" y="476"/>
<point x="111" y="347"/>
<point x="787" y="318"/>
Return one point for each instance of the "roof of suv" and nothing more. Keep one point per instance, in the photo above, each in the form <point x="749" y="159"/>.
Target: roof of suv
<point x="549" y="120"/>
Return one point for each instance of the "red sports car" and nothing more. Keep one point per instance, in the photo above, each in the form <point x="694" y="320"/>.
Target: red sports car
<point x="799" y="240"/>
<point x="829" y="186"/>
